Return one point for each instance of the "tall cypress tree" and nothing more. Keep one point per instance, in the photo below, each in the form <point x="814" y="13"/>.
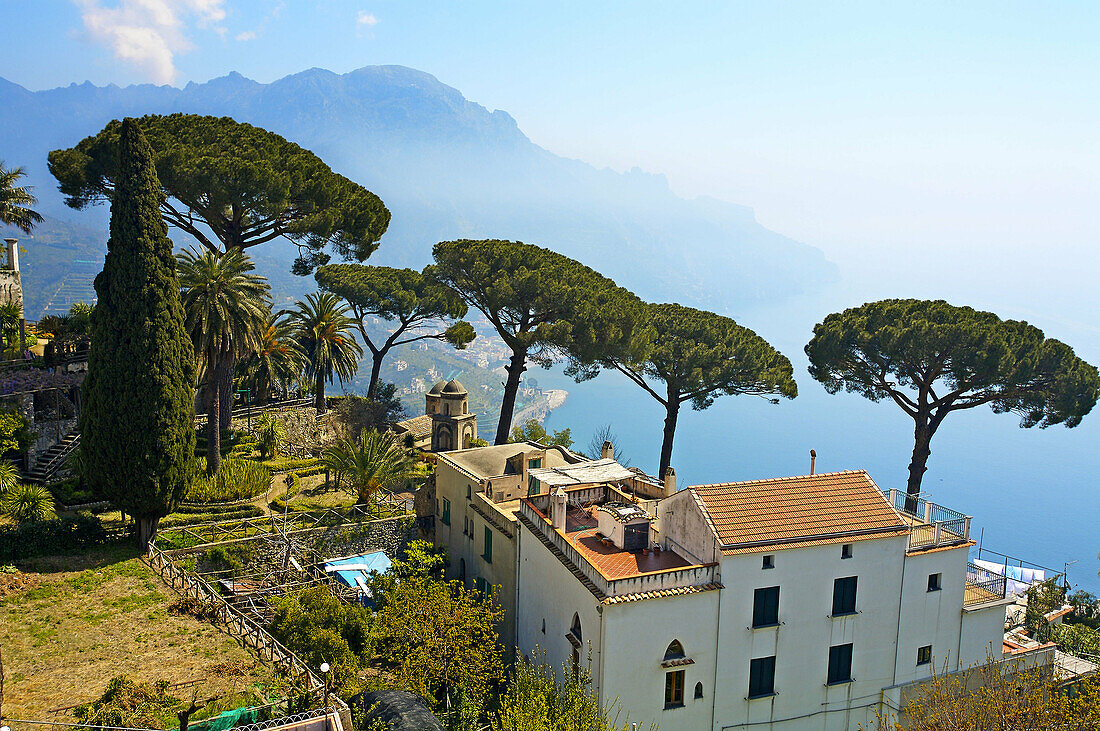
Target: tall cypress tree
<point x="137" y="428"/>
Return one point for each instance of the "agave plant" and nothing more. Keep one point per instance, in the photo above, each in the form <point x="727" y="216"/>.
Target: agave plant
<point x="24" y="503"/>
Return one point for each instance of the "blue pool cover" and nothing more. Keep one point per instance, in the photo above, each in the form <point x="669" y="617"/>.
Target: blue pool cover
<point x="355" y="571"/>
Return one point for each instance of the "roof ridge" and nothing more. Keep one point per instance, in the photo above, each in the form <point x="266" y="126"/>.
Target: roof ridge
<point x="785" y="479"/>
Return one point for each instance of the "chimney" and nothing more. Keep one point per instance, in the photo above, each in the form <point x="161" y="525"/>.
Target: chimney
<point x="557" y="509"/>
<point x="608" y="450"/>
<point x="670" y="481"/>
<point x="813" y="458"/>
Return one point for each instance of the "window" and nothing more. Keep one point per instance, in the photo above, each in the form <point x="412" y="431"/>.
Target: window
<point x="488" y="555"/>
<point x="534" y="464"/>
<point x="446" y="517"/>
<point x="840" y="664"/>
<point x="698" y="691"/>
<point x="765" y="607"/>
<point x="769" y="562"/>
<point x="762" y="677"/>
<point x="544" y="625"/>
<point x="846" y="550"/>
<point x="469" y="492"/>
<point x="844" y="596"/>
<point x="924" y="655"/>
<point x="935" y="582"/>
<point x="533" y="485"/>
<point x="674" y="689"/>
<point x="482" y="586"/>
<point x="674" y="651"/>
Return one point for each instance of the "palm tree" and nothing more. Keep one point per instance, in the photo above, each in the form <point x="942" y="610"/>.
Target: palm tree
<point x="278" y="361"/>
<point x="367" y="465"/>
<point x="227" y="309"/>
<point x="24" y="503"/>
<point x="327" y="337"/>
<point x="16" y="201"/>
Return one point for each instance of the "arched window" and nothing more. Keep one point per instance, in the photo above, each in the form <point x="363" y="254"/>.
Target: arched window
<point x="575" y="639"/>
<point x="675" y="651"/>
<point x="698" y="690"/>
<point x="544" y="625"/>
<point x="673" y="660"/>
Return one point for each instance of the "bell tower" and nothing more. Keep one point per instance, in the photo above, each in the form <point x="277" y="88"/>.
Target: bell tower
<point x="453" y="426"/>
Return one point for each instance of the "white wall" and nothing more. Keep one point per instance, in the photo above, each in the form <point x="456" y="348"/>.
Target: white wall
<point x="931" y="617"/>
<point x="982" y="635"/>
<point x="636" y="636"/>
<point x="550" y="595"/>
<point x="801" y="643"/>
<point x="683" y="528"/>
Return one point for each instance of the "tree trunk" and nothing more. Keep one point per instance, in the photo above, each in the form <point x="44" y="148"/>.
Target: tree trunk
<point x="225" y="393"/>
<point x="147" y="530"/>
<point x="515" y="368"/>
<point x="213" y="437"/>
<point x="319" y="394"/>
<point x="926" y="426"/>
<point x="375" y="370"/>
<point x="672" y="411"/>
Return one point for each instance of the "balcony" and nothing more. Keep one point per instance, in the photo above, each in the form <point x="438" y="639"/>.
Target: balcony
<point x="931" y="525"/>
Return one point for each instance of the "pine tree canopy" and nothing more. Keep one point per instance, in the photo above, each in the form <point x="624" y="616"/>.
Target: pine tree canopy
<point x="544" y="306"/>
<point x="137" y="425"/>
<point x="698" y="355"/>
<point x="931" y="358"/>
<point x="230" y="184"/>
<point x="424" y="308"/>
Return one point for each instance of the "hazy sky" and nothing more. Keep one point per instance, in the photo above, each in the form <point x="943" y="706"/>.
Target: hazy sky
<point x="959" y="139"/>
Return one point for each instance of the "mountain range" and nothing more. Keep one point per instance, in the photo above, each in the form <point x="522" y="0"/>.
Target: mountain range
<point x="447" y="168"/>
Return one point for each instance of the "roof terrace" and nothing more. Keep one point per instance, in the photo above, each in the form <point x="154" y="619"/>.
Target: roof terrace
<point x="607" y="542"/>
<point x="931" y="525"/>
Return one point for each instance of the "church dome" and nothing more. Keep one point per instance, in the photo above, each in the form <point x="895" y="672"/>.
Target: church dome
<point x="438" y="388"/>
<point x="454" y="388"/>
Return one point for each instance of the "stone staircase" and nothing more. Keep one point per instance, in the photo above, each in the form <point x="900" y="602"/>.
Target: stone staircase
<point x="53" y="459"/>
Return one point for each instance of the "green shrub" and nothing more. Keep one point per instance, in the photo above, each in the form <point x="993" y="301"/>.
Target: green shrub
<point x="26" y="503"/>
<point x="236" y="512"/>
<point x="15" y="434"/>
<point x="50" y="536"/>
<point x="238" y="479"/>
<point x="319" y="628"/>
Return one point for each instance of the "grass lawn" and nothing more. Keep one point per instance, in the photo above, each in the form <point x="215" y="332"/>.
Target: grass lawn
<point x="71" y="623"/>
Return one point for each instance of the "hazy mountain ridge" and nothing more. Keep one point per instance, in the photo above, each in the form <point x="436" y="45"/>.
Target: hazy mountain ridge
<point x="448" y="168"/>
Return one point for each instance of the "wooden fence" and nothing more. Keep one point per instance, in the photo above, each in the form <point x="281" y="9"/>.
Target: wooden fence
<point x="236" y="623"/>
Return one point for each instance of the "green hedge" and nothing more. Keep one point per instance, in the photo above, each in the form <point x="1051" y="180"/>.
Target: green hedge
<point x="43" y="537"/>
<point x="237" y="479"/>
<point x="280" y="464"/>
<point x="178" y="519"/>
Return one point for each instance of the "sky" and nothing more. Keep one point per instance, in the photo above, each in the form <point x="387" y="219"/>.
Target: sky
<point x="848" y="125"/>
<point x="944" y="141"/>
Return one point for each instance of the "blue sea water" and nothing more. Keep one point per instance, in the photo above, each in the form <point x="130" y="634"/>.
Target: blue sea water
<point x="1033" y="493"/>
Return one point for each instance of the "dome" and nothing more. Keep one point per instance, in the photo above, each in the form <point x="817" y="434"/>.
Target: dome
<point x="454" y="388"/>
<point x="437" y="388"/>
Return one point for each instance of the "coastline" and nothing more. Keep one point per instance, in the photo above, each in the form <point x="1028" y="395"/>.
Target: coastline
<point x="552" y="399"/>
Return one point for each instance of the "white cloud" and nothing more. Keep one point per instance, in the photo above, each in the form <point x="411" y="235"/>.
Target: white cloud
<point x="149" y="33"/>
<point x="248" y="35"/>
<point x="366" y="19"/>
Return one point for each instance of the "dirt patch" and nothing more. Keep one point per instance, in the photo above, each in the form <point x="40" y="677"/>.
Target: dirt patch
<point x="75" y="629"/>
<point x="14" y="583"/>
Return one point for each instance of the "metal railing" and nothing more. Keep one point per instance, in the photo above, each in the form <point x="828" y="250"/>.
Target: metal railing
<point x="932" y="524"/>
<point x="983" y="585"/>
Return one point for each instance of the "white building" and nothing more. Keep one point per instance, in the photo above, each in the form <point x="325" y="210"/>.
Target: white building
<point x="794" y="603"/>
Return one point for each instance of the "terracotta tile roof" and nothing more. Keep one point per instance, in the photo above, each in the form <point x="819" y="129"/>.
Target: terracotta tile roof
<point x="658" y="593"/>
<point x="418" y="426"/>
<point x="615" y="563"/>
<point x="797" y="511"/>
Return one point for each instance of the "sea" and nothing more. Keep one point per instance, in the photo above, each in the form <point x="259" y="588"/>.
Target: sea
<point x="1033" y="493"/>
